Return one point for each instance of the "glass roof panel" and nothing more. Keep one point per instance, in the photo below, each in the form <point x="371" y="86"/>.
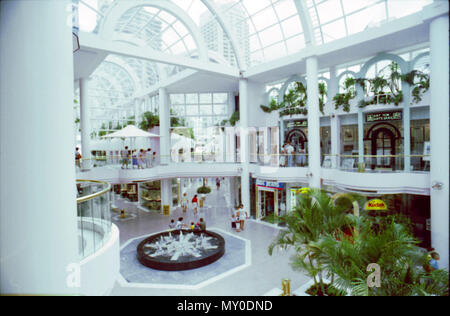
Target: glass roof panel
<point x="334" y="19"/>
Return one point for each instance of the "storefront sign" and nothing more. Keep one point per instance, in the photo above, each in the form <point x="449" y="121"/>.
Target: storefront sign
<point x="294" y="124"/>
<point x="270" y="184"/>
<point x="166" y="210"/>
<point x="376" y="205"/>
<point x="382" y="117"/>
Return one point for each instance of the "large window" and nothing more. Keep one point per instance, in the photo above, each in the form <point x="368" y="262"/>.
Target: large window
<point x="196" y="126"/>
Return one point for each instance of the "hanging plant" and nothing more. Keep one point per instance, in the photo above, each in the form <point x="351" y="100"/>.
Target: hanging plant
<point x="322" y="95"/>
<point x="343" y="99"/>
<point x="234" y="118"/>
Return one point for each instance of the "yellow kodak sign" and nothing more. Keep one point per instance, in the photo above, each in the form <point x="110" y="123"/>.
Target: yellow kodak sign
<point x="376" y="205"/>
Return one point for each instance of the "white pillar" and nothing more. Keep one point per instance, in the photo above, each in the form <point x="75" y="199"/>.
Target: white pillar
<point x="164" y="126"/>
<point x="406" y="126"/>
<point x="166" y="193"/>
<point x="313" y="121"/>
<point x="137" y="112"/>
<point x="245" y="148"/>
<point x="38" y="223"/>
<point x="335" y="121"/>
<point x="439" y="135"/>
<point x="85" y="125"/>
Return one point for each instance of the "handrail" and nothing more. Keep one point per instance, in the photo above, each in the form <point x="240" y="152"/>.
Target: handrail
<point x="94" y="195"/>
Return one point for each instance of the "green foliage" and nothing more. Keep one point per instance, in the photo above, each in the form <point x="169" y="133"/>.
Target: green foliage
<point x="149" y="120"/>
<point x="420" y="83"/>
<point x="331" y="243"/>
<point x="235" y="117"/>
<point x="204" y="190"/>
<point x="315" y="215"/>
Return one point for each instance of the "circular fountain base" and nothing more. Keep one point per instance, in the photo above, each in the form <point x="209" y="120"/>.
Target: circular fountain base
<point x="180" y="250"/>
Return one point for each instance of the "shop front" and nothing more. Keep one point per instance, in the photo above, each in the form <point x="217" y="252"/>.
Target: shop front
<point x="270" y="199"/>
<point x="383" y="138"/>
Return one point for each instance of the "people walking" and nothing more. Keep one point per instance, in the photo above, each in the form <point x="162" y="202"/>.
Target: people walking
<point x="243" y="216"/>
<point x="290" y="154"/>
<point x="218" y="183"/>
<point x="184" y="202"/>
<point x="77" y="157"/>
<point x="283" y="156"/>
<point x="141" y="159"/>
<point x="124" y="154"/>
<point x="134" y="159"/>
<point x="148" y="158"/>
<point x="195" y="204"/>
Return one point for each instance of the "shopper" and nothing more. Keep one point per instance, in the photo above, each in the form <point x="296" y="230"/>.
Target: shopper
<point x="154" y="159"/>
<point x="301" y="158"/>
<point x="134" y="158"/>
<point x="218" y="184"/>
<point x="233" y="221"/>
<point x="148" y="158"/>
<point x="243" y="216"/>
<point x="172" y="224"/>
<point x="141" y="161"/>
<point x="195" y="204"/>
<point x="124" y="155"/>
<point x="290" y="154"/>
<point x="283" y="156"/>
<point x="237" y="216"/>
<point x="180" y="224"/>
<point x="77" y="157"/>
<point x="184" y="202"/>
<point x="202" y="225"/>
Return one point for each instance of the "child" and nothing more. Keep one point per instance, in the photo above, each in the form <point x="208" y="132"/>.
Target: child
<point x="172" y="224"/>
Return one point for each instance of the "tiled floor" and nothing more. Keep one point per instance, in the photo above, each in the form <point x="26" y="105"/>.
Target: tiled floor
<point x="262" y="274"/>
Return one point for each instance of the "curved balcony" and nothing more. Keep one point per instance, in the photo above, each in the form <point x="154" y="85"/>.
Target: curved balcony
<point x="98" y="238"/>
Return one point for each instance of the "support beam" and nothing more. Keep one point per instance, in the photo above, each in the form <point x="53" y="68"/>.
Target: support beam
<point x="95" y="43"/>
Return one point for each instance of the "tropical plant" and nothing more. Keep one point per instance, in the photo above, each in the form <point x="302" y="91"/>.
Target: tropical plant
<point x="392" y="247"/>
<point x="322" y="95"/>
<point x="149" y="120"/>
<point x="204" y="190"/>
<point x="343" y="99"/>
<point x="315" y="216"/>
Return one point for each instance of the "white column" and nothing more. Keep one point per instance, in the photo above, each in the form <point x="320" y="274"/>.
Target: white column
<point x="439" y="135"/>
<point x="137" y="111"/>
<point x="360" y="136"/>
<point x="164" y="126"/>
<point x="85" y="125"/>
<point x="166" y="193"/>
<point x="313" y="121"/>
<point x="407" y="126"/>
<point x="333" y="89"/>
<point x="38" y="223"/>
<point x="245" y="148"/>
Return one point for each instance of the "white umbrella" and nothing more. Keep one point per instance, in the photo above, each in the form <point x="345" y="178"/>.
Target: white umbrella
<point x="130" y="131"/>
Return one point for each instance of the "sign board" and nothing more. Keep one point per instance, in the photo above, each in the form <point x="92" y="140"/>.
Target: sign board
<point x="269" y="184"/>
<point x="294" y="124"/>
<point x="376" y="205"/>
<point x="385" y="116"/>
<point x="166" y="210"/>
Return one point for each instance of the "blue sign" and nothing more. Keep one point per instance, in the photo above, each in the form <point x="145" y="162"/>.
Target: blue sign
<point x="270" y="184"/>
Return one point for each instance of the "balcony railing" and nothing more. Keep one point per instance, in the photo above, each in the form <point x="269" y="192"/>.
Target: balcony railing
<point x="94" y="215"/>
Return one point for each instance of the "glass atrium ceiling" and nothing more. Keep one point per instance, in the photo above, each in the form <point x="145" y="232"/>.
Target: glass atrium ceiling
<point x="257" y="30"/>
<point x="238" y="33"/>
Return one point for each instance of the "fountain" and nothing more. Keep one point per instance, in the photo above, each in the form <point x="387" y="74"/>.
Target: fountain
<point x="180" y="250"/>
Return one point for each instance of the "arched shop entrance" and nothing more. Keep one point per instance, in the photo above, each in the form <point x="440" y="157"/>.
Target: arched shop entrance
<point x="384" y="140"/>
<point x="297" y="138"/>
